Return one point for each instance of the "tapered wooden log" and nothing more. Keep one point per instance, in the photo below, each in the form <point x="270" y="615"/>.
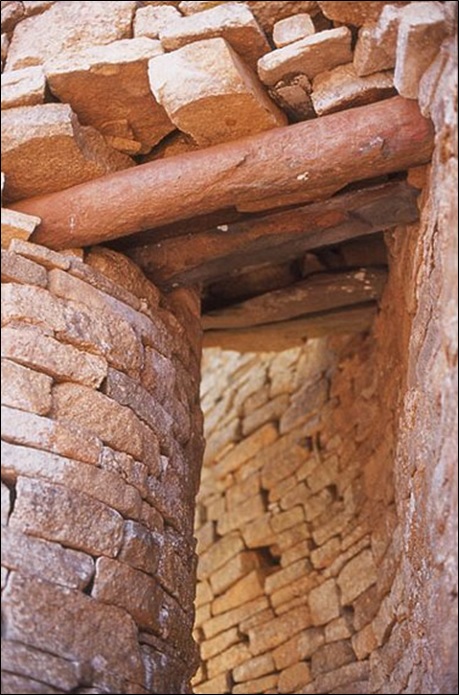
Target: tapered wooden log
<point x="277" y="237"/>
<point x="275" y="337"/>
<point x="309" y="160"/>
<point x="319" y="293"/>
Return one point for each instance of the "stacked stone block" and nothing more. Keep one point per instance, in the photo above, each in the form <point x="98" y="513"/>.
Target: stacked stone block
<point x="100" y="466"/>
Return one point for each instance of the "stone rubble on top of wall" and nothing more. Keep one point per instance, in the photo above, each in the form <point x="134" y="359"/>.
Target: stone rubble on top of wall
<point x="198" y="73"/>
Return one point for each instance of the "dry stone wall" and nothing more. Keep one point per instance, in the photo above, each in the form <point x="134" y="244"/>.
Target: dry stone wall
<point x="101" y="451"/>
<point x="327" y="516"/>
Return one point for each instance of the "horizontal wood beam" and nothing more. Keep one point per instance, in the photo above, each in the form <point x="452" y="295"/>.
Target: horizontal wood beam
<point x="270" y="337"/>
<point x="319" y="293"/>
<point x="277" y="237"/>
<point x="309" y="160"/>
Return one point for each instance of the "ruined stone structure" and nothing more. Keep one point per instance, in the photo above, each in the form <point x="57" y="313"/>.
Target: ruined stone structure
<point x="314" y="256"/>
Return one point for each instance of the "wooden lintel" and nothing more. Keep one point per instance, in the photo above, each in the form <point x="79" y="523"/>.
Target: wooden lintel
<point x="319" y="293"/>
<point x="277" y="237"/>
<point x="307" y="161"/>
<point x="270" y="337"/>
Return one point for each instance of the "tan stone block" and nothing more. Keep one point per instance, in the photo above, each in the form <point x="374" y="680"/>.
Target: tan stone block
<point x="364" y="642"/>
<point x="66" y="439"/>
<point x="270" y="412"/>
<point x="337" y="524"/>
<point x="309" y="56"/>
<point x="221" y="100"/>
<point x="133" y="591"/>
<point x="220" y="684"/>
<point x="221" y="623"/>
<point x="55" y="151"/>
<point x="299" y="648"/>
<point x="25" y="389"/>
<point x="231" y="21"/>
<point x="376" y="44"/>
<point x="284" y="520"/>
<point x="229" y="659"/>
<point x="342" y="88"/>
<point x="39" y="254"/>
<point x="202" y="615"/>
<point x="24" y="87"/>
<point x="6" y="504"/>
<point x="66" y="516"/>
<point x="307" y="401"/>
<point x="297" y="552"/>
<point x="50" y="561"/>
<point x="219" y="644"/>
<point x="219" y="554"/>
<point x="366" y="607"/>
<point x="151" y="20"/>
<point x="292" y="94"/>
<point x="286" y="576"/>
<point x="12" y="14"/>
<point x="115" y="424"/>
<point x="240" y="515"/>
<point x="421" y="31"/>
<point x="270" y="12"/>
<point x="357" y="576"/>
<point x="141" y="548"/>
<point x="238" y="493"/>
<point x="292" y="29"/>
<point x="290" y="537"/>
<point x="234" y="570"/>
<point x="60" y="361"/>
<point x="324" y="603"/>
<point x="266" y="637"/>
<point x="87" y="80"/>
<point x="135" y="473"/>
<point x="356" y="13"/>
<point x="246" y="589"/>
<point x="324" y="556"/>
<point x="258" y="619"/>
<point x="260" y="685"/>
<point x="337" y="630"/>
<point x="16" y="225"/>
<point x="26" y="661"/>
<point x="247" y="449"/>
<point x="258" y="533"/>
<point x="294" y="677"/>
<point x="64" y="27"/>
<point x="21" y="270"/>
<point x="331" y="657"/>
<point x="191" y="8"/>
<point x="103" y="485"/>
<point x="204" y="594"/>
<point x="123" y="273"/>
<point x="282" y="488"/>
<point x="254" y="668"/>
<point x="69" y="624"/>
<point x="345" y="556"/>
<point x="205" y="537"/>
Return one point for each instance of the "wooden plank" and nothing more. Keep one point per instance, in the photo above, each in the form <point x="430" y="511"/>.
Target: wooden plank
<point x="275" y="337"/>
<point x="318" y="293"/>
<point x="277" y="237"/>
<point x="312" y="159"/>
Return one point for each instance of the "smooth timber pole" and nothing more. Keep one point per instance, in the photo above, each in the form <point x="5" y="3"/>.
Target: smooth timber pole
<point x="309" y="161"/>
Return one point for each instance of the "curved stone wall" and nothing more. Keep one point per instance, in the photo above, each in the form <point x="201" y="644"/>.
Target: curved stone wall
<point x="101" y="451"/>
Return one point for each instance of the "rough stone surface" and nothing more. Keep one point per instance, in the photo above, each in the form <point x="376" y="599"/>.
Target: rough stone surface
<point x="49" y="561"/>
<point x="24" y="87"/>
<point x="18" y="269"/>
<point x="222" y="101"/>
<point x="376" y="45"/>
<point x="16" y="225"/>
<point x="270" y="12"/>
<point x="69" y="517"/>
<point x="357" y="576"/>
<point x="356" y="13"/>
<point x="293" y="29"/>
<point x="75" y="634"/>
<point x="133" y="122"/>
<point x="309" y="56"/>
<point x="421" y="31"/>
<point x="45" y="149"/>
<point x="25" y="389"/>
<point x="231" y="21"/>
<point x="26" y="661"/>
<point x="151" y="20"/>
<point x="324" y="603"/>
<point x="342" y="88"/>
<point x="65" y="26"/>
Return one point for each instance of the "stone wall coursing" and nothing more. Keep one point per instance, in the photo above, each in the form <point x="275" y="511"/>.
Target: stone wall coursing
<point x="101" y="452"/>
<point x="327" y="515"/>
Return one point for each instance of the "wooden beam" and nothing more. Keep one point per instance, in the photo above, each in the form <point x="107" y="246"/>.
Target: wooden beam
<point x="272" y="337"/>
<point x="277" y="237"/>
<point x="311" y="159"/>
<point x="317" y="294"/>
